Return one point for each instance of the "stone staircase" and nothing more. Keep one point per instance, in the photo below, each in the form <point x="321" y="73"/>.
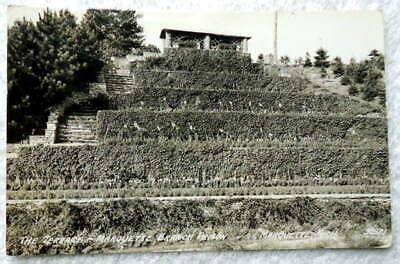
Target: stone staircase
<point x="119" y="83"/>
<point x="78" y="126"/>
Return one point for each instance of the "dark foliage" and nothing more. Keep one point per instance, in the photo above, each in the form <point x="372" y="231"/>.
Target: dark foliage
<point x="235" y="125"/>
<point x="140" y="216"/>
<point x="321" y="59"/>
<point x="154" y="164"/>
<point x="116" y="31"/>
<point x="366" y="77"/>
<point x="216" y="80"/>
<point x="47" y="61"/>
<point x="231" y="100"/>
<point x="337" y="67"/>
<point x="203" y="60"/>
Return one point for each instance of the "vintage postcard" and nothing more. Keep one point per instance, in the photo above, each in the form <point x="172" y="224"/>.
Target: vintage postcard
<point x="152" y="131"/>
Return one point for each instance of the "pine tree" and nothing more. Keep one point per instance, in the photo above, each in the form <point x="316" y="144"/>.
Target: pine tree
<point x="46" y="62"/>
<point x="285" y="60"/>
<point x="372" y="86"/>
<point x="376" y="58"/>
<point x="22" y="80"/>
<point x="307" y="62"/>
<point x="337" y="67"/>
<point x="117" y="32"/>
<point x="321" y="60"/>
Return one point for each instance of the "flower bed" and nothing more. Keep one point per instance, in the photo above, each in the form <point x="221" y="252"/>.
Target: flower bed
<point x="148" y="219"/>
<point x="215" y="80"/>
<point x="203" y="60"/>
<point x="174" y="164"/>
<point x="235" y="125"/>
<point x="230" y="100"/>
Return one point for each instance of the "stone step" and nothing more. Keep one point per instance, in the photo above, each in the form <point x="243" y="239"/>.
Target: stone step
<point x="79" y="126"/>
<point x="77" y="129"/>
<point x="77" y="139"/>
<point x="86" y="113"/>
<point x="77" y="133"/>
<point x="78" y="123"/>
<point x="74" y="141"/>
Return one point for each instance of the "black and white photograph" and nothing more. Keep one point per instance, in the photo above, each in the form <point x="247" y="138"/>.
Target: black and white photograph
<point x="157" y="131"/>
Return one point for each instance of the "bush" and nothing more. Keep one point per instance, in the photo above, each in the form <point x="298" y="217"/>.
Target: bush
<point x="214" y="80"/>
<point x="174" y="164"/>
<point x="353" y="90"/>
<point x="345" y="80"/>
<point x="338" y="67"/>
<point x="230" y="100"/>
<point x="233" y="217"/>
<point x="187" y="44"/>
<point x="203" y="60"/>
<point x="373" y="86"/>
<point x="235" y="125"/>
<point x="369" y="75"/>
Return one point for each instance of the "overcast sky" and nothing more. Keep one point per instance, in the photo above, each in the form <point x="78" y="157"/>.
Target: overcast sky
<point x="345" y="34"/>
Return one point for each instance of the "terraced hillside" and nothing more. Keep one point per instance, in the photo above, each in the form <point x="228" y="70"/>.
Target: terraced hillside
<point x="195" y="160"/>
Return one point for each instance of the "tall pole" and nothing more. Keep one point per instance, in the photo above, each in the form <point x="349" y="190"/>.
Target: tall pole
<point x="276" y="38"/>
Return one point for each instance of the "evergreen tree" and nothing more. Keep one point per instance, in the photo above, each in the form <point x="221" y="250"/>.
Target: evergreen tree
<point x="349" y="72"/>
<point x="372" y="86"/>
<point x="307" y="62"/>
<point x="337" y="67"/>
<point x="285" y="60"/>
<point x="22" y="81"/>
<point x="376" y="58"/>
<point x="46" y="62"/>
<point x="117" y="31"/>
<point x="368" y="74"/>
<point x="321" y="60"/>
<point x="361" y="72"/>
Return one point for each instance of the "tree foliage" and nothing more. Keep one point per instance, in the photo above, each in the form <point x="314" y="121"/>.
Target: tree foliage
<point x="285" y="60"/>
<point x="321" y="59"/>
<point x="117" y="31"/>
<point x="150" y="48"/>
<point x="46" y="62"/>
<point x="307" y="61"/>
<point x="366" y="77"/>
<point x="337" y="67"/>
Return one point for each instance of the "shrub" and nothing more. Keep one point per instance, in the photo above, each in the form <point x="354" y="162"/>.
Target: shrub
<point x="231" y="100"/>
<point x="141" y="216"/>
<point x="203" y="60"/>
<point x="353" y="90"/>
<point x="338" y="67"/>
<point x="235" y="125"/>
<point x="345" y="80"/>
<point x="168" y="164"/>
<point x="214" y="80"/>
